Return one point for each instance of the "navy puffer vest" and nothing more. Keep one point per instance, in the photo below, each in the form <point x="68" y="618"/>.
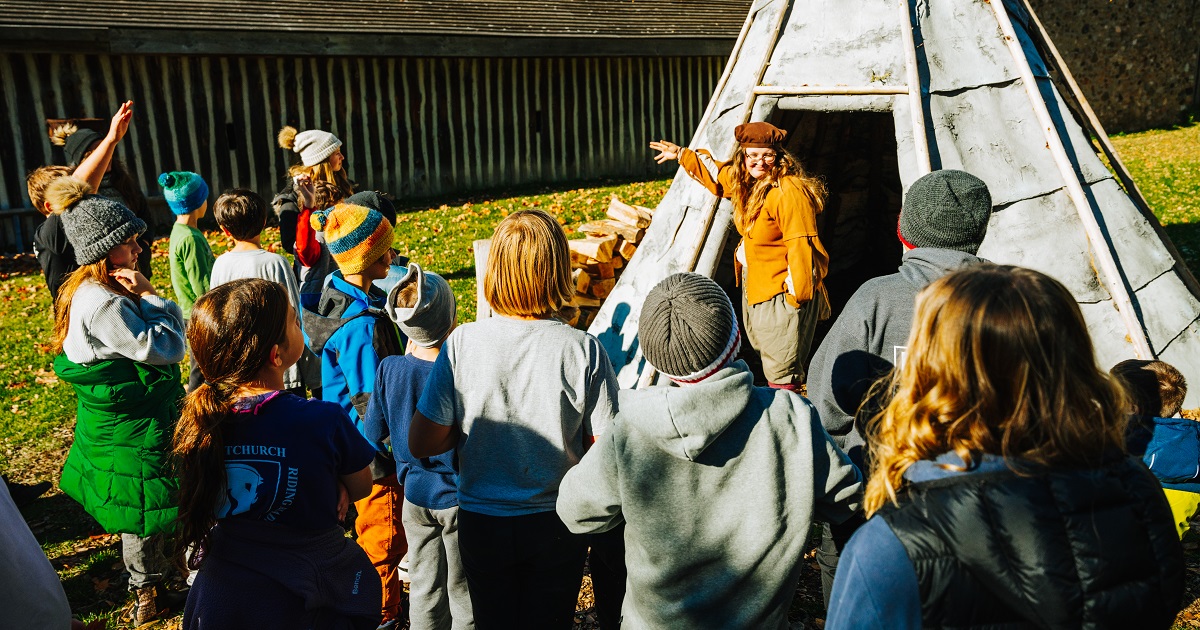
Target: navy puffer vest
<point x="1092" y="548"/>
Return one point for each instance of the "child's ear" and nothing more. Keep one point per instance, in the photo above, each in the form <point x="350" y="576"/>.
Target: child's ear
<point x="274" y="357"/>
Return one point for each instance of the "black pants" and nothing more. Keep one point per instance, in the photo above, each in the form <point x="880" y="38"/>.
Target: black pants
<point x="606" y="561"/>
<point x="523" y="571"/>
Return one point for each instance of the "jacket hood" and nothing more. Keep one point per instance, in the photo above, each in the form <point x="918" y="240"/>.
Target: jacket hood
<point x="923" y="265"/>
<point x="683" y="421"/>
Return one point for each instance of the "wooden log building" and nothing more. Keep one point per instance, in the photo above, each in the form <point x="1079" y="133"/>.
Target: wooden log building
<point x="429" y="98"/>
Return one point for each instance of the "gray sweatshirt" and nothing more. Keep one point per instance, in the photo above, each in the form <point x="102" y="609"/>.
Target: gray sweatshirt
<point x="869" y="338"/>
<point x="718" y="484"/>
<point x="104" y="325"/>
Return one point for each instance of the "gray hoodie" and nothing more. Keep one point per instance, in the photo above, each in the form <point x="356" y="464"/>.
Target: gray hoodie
<point x="718" y="484"/>
<point x="869" y="338"/>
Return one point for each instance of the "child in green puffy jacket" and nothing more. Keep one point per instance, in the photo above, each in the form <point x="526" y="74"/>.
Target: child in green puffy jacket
<point x="119" y="344"/>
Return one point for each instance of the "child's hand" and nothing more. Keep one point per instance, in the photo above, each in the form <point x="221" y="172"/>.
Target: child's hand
<point x="120" y="121"/>
<point x="343" y="502"/>
<point x="134" y="281"/>
<point x="306" y="190"/>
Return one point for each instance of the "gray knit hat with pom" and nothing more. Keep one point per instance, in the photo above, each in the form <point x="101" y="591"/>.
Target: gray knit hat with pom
<point x="688" y="329"/>
<point x="95" y="225"/>
<point x="948" y="210"/>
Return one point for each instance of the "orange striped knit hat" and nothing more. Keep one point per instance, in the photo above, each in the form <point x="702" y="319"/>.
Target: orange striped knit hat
<point x="356" y="236"/>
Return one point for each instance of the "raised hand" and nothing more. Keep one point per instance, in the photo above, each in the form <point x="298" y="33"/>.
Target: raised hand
<point x="306" y="190"/>
<point x="666" y="151"/>
<point x="120" y="121"/>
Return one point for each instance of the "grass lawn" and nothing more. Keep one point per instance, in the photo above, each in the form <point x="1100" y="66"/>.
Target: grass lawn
<point x="38" y="429"/>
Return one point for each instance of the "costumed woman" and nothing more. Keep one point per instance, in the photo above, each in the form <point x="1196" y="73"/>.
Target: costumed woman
<point x="781" y="263"/>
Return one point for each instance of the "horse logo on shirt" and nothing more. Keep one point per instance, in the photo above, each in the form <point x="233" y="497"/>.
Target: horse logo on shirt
<point x="241" y="489"/>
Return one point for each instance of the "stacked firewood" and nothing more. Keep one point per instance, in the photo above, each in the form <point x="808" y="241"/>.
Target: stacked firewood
<point x="598" y="259"/>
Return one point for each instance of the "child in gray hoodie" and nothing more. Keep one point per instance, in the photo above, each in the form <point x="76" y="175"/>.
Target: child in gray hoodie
<point x="717" y="481"/>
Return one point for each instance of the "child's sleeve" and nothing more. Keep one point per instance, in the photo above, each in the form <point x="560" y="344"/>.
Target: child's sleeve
<point x="602" y="391"/>
<point x="837" y="482"/>
<point x="589" y="500"/>
<point x="375" y="426"/>
<point x="360" y="363"/>
<point x="352" y="450"/>
<point x="439" y="401"/>
<point x="149" y="330"/>
<point x="308" y="249"/>
<point x="198" y="266"/>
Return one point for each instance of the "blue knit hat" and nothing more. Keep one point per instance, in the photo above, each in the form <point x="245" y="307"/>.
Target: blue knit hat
<point x="184" y="191"/>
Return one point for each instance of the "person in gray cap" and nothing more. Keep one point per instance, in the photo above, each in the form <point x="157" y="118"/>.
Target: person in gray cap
<point x="943" y="221"/>
<point x="717" y="481"/>
<point x="423" y="306"/>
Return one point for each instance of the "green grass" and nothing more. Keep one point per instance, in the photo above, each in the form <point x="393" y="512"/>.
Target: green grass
<point x="40" y="409"/>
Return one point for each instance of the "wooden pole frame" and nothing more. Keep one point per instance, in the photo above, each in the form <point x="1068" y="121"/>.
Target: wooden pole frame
<point x="832" y="90"/>
<point x="915" y="102"/>
<point x="1102" y="255"/>
<point x="1088" y="118"/>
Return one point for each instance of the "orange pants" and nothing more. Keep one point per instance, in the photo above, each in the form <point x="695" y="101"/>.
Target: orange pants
<point x="381" y="535"/>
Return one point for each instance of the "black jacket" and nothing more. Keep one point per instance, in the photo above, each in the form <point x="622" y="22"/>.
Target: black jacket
<point x="1093" y="548"/>
<point x="54" y="253"/>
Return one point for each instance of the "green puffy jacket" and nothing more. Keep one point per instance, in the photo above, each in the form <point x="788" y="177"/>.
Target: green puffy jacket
<point x="118" y="466"/>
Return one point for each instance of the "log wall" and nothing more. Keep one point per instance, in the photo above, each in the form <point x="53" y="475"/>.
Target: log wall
<point x="415" y="127"/>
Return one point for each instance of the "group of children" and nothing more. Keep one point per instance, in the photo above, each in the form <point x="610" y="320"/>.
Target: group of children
<point x="493" y="455"/>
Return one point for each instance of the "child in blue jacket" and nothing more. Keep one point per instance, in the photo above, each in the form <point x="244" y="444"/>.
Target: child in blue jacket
<point x="1168" y="444"/>
<point x="351" y="334"/>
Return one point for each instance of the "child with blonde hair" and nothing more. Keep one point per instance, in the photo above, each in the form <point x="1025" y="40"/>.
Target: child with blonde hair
<point x="119" y="344"/>
<point x="522" y="395"/>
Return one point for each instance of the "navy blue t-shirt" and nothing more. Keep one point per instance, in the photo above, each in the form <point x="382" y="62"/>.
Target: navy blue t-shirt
<point x="429" y="482"/>
<point x="283" y="458"/>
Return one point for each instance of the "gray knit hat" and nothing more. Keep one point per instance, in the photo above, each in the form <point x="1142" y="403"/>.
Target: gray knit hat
<point x="431" y="318"/>
<point x="688" y="329"/>
<point x="948" y="210"/>
<point x="315" y="145"/>
<point x="95" y="225"/>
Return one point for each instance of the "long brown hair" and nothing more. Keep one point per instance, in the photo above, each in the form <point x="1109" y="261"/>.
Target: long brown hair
<point x="98" y="272"/>
<point x="232" y="330"/>
<point x="1000" y="362"/>
<point x="748" y="193"/>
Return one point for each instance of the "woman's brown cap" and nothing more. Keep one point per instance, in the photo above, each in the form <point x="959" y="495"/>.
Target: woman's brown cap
<point x="759" y="135"/>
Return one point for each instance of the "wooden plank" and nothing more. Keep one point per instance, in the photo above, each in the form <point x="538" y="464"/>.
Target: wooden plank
<point x="587" y="301"/>
<point x="607" y="227"/>
<point x="627" y="214"/>
<point x="627" y="250"/>
<point x="600" y="249"/>
<point x="601" y="288"/>
<point x="582" y="280"/>
<point x="601" y="270"/>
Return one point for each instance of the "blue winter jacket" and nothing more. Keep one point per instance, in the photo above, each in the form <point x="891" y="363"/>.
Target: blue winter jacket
<point x="351" y="334"/>
<point x="1170" y="447"/>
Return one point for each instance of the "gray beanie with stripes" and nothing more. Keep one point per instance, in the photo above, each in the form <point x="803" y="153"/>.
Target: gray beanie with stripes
<point x="688" y="329"/>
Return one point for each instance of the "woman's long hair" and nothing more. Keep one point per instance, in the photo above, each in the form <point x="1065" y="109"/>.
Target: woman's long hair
<point x="232" y="330"/>
<point x="999" y="361"/>
<point x="319" y="172"/>
<point x="748" y="193"/>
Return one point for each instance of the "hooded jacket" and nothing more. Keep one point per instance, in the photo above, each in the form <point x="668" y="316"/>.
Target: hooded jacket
<point x="868" y="340"/>
<point x="351" y="334"/>
<point x="718" y="484"/>
<point x="118" y="466"/>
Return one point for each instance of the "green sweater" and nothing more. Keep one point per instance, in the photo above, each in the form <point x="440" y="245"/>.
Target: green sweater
<point x="191" y="265"/>
<point x="118" y="466"/>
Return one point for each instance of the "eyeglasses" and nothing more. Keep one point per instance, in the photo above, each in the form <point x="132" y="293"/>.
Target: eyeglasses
<point x="766" y="158"/>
